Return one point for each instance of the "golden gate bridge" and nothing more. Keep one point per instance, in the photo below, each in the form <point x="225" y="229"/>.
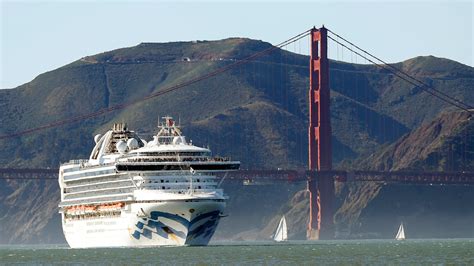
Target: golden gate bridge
<point x="320" y="175"/>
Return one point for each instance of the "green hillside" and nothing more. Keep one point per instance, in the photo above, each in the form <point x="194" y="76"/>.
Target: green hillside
<point x="255" y="113"/>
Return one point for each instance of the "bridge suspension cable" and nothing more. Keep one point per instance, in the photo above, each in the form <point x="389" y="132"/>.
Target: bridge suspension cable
<point x="401" y="74"/>
<point x="161" y="92"/>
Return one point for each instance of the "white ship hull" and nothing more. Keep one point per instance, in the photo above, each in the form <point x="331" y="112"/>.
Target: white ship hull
<point x="134" y="193"/>
<point x="171" y="223"/>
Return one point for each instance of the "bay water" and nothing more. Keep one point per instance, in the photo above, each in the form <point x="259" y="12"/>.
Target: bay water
<point x="337" y="252"/>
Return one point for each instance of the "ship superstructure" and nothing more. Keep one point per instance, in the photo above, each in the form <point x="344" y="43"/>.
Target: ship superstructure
<point x="136" y="193"/>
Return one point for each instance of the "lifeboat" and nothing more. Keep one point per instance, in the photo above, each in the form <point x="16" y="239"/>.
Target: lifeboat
<point x="89" y="209"/>
<point x="111" y="207"/>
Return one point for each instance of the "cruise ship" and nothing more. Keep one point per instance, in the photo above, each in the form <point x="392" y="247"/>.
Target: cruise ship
<point x="133" y="193"/>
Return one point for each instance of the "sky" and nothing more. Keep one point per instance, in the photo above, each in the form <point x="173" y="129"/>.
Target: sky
<point x="40" y="36"/>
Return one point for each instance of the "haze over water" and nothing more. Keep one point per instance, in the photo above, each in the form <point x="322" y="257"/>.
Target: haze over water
<point x="373" y="252"/>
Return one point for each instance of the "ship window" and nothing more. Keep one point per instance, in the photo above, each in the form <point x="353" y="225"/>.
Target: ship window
<point x="163" y="187"/>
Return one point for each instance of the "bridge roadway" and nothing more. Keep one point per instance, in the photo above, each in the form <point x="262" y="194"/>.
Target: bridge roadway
<point x="268" y="176"/>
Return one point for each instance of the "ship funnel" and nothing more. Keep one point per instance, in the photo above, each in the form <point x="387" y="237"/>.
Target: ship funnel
<point x="119" y="127"/>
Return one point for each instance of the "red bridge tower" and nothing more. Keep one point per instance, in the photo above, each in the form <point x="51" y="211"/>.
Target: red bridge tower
<point x="321" y="188"/>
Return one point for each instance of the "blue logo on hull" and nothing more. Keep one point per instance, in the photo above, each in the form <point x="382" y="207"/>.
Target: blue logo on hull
<point x="146" y="227"/>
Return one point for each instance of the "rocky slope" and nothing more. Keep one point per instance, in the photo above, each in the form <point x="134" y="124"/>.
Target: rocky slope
<point x="444" y="144"/>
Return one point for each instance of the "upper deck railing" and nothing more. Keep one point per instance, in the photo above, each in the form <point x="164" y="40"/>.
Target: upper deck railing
<point x="407" y="177"/>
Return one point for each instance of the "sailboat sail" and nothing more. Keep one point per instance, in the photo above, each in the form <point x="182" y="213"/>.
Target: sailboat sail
<point x="281" y="233"/>
<point x="401" y="233"/>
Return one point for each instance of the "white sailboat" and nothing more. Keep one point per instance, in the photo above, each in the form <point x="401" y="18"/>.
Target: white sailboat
<point x="401" y="233"/>
<point x="281" y="233"/>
